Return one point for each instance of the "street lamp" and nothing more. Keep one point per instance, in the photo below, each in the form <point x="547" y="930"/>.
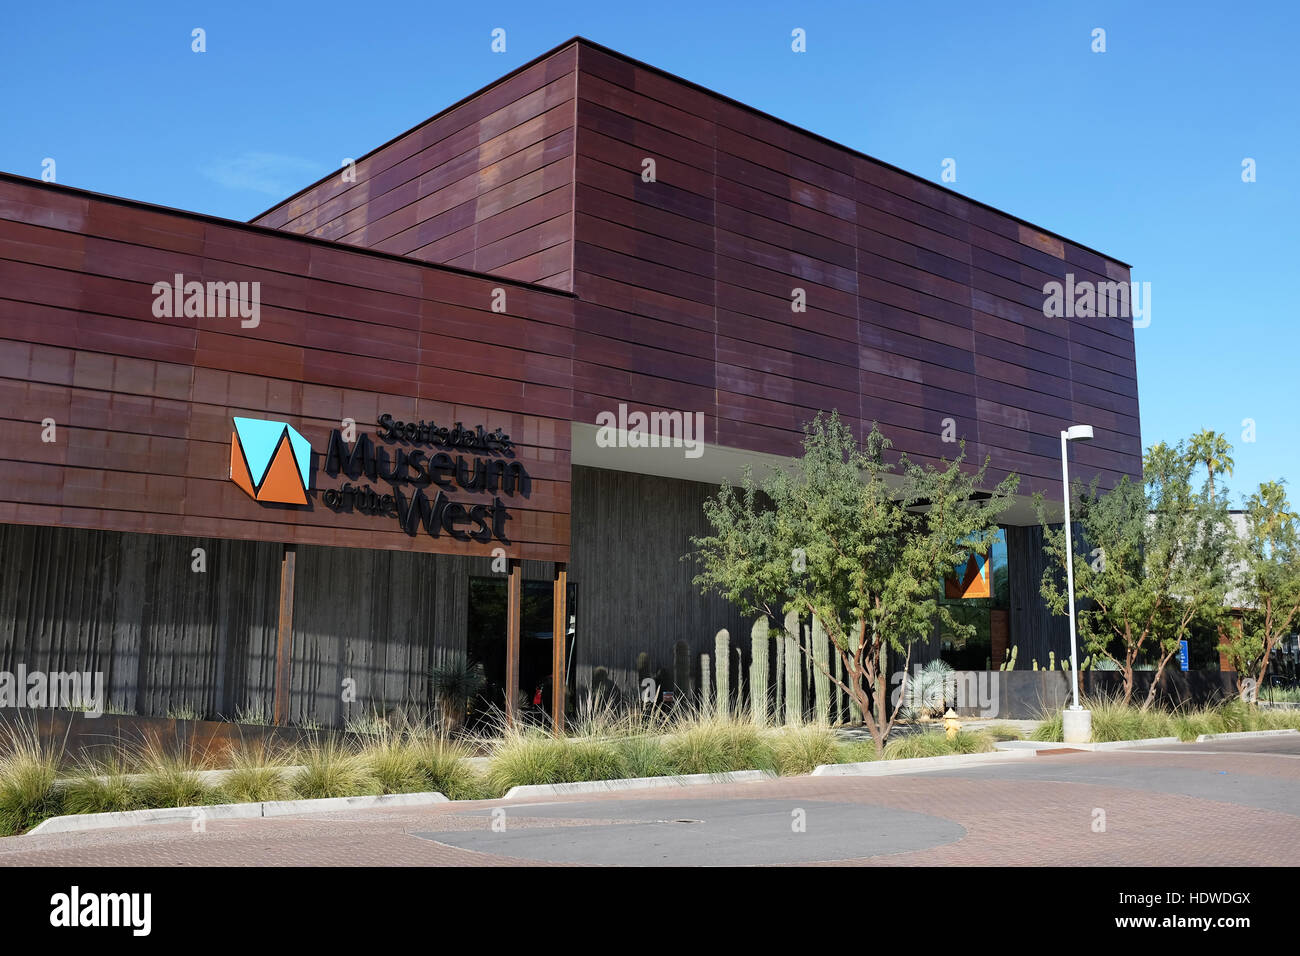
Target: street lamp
<point x="1076" y="722"/>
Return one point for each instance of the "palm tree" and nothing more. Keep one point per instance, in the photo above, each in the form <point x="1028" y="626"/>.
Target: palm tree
<point x="1212" y="449"/>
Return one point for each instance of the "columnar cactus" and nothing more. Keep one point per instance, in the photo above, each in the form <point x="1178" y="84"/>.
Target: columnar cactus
<point x="682" y="667"/>
<point x="839" y="691"/>
<point x="855" y="708"/>
<point x="706" y="683"/>
<point x="740" y="678"/>
<point x="793" y="671"/>
<point x="722" y="663"/>
<point x="778" y="676"/>
<point x="821" y="678"/>
<point x="758" y="637"/>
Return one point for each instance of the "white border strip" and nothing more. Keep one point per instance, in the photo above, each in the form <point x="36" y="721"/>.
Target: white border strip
<point x="886" y="768"/>
<point x="635" y="783"/>
<point x="74" y="822"/>
<point x="1246" y="735"/>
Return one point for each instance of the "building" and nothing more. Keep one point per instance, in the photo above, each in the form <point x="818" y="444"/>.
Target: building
<point x="186" y="509"/>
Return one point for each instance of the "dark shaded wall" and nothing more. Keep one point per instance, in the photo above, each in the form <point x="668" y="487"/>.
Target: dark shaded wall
<point x="173" y="641"/>
<point x="634" y="592"/>
<point x="382" y="620"/>
<point x="168" y="639"/>
<point x="1035" y="630"/>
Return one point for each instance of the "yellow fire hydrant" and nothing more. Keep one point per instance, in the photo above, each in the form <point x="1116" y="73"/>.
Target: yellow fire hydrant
<point x="951" y="724"/>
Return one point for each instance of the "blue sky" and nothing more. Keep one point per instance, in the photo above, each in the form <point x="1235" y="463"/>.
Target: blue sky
<point x="1136" y="151"/>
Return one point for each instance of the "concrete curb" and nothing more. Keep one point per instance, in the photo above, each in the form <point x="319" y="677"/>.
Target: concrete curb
<point x="635" y="783"/>
<point x="1246" y="735"/>
<point x="74" y="822"/>
<point x="885" y="768"/>
<point x="1057" y="745"/>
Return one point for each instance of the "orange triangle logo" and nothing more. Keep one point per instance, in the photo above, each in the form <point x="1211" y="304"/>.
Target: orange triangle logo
<point x="283" y="482"/>
<point x="238" y="469"/>
<point x="976" y="583"/>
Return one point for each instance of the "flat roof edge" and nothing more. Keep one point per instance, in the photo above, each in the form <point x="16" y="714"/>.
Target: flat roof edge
<point x="583" y="41"/>
<point x="20" y="180"/>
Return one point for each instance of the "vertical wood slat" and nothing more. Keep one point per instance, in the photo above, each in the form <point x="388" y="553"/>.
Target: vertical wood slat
<point x="559" y="640"/>
<point x="514" y="590"/>
<point x="284" y="635"/>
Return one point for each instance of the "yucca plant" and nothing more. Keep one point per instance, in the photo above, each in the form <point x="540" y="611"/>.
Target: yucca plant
<point x="454" y="686"/>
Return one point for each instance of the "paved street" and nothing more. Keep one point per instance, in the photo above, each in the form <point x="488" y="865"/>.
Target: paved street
<point x="1218" y="803"/>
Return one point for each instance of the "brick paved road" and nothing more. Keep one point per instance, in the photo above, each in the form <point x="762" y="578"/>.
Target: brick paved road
<point x="1218" y="803"/>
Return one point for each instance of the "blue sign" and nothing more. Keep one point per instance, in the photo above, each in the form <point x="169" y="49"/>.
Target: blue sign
<point x="1182" y="654"/>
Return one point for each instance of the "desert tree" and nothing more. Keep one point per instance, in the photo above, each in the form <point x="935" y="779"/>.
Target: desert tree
<point x="1267" y="584"/>
<point x="1151" y="561"/>
<point x="859" y="543"/>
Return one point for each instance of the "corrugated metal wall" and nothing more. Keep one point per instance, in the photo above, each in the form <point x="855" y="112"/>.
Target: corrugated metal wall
<point x="382" y="620"/>
<point x="168" y="639"/>
<point x="171" y="641"/>
<point x="635" y="594"/>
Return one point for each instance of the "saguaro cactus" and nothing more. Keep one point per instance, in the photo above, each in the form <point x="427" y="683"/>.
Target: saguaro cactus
<point x="839" y="691"/>
<point x="778" y="677"/>
<point x="821" y="676"/>
<point x="682" y="667"/>
<point x="855" y="708"/>
<point x="793" y="671"/>
<point x="722" y="664"/>
<point x="706" y="683"/>
<point x="758" y="637"/>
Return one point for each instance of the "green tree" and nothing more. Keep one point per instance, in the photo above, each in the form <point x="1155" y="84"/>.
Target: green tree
<point x="1211" y="449"/>
<point x="1268" y="584"/>
<point x="1156" y="564"/>
<point x="858" y="543"/>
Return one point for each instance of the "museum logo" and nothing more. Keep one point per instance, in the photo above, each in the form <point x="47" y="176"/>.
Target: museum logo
<point x="422" y="464"/>
<point x="270" y="461"/>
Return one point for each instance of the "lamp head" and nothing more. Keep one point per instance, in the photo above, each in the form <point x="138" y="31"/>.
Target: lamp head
<point x="1078" y="433"/>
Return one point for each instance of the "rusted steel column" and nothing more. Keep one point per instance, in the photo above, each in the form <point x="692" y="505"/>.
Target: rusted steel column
<point x="284" y="635"/>
<point x="514" y="590"/>
<point x="559" y="641"/>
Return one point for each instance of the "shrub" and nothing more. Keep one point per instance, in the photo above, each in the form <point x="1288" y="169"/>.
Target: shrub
<point x="1051" y="729"/>
<point x="857" y="751"/>
<point x="645" y="757"/>
<point x="28" y="769"/>
<point x="257" y="772"/>
<point x="718" y="744"/>
<point x="99" y="788"/>
<point x="528" y="755"/>
<point x="1003" y="732"/>
<point x="934" y="744"/>
<point x="332" y="769"/>
<point x="799" y="750"/>
<point x="167" y="778"/>
<point x="445" y="769"/>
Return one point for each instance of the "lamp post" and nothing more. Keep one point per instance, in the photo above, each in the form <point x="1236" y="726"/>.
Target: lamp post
<point x="1076" y="722"/>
